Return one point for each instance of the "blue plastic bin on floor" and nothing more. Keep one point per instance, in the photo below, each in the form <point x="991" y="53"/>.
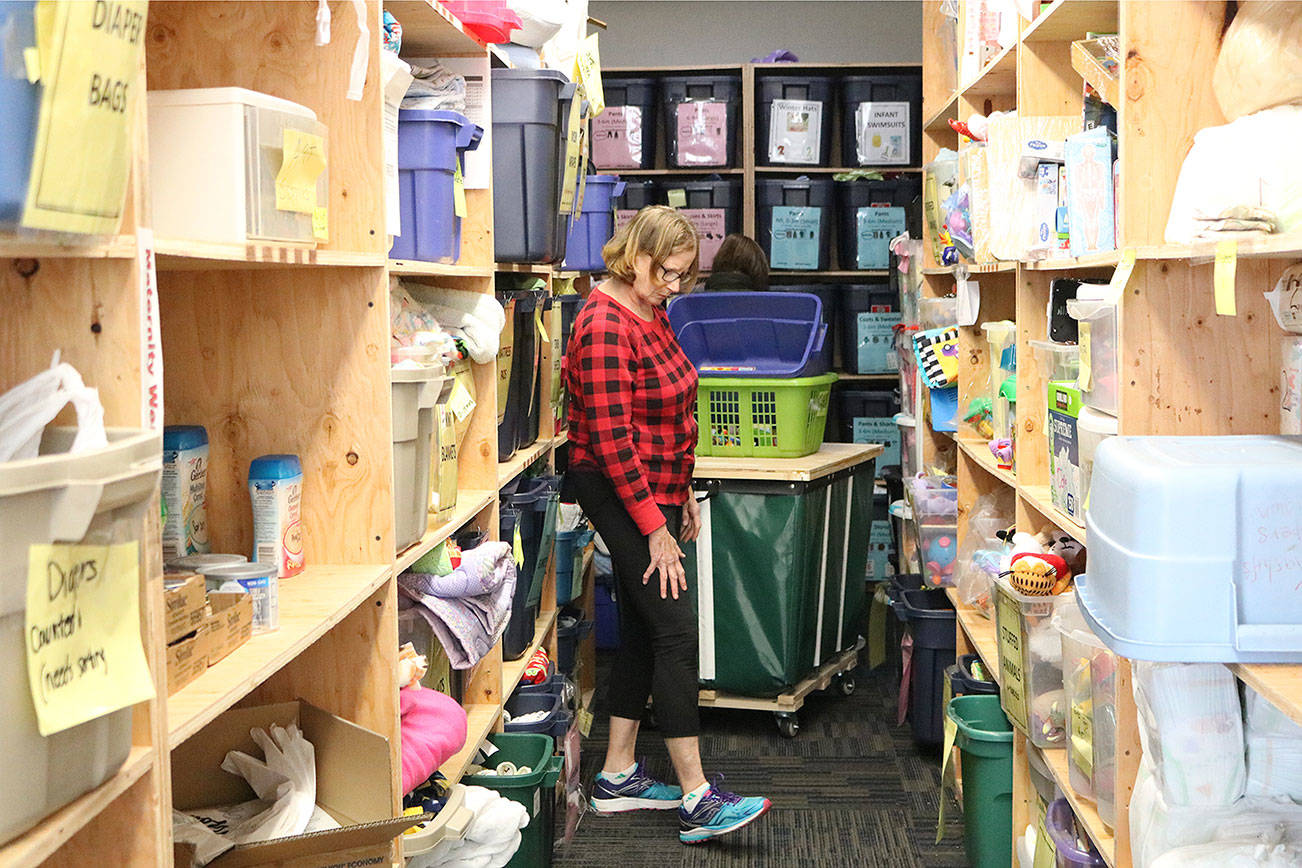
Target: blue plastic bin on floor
<point x="430" y="145"/>
<point x="752" y="334"/>
<point x="20" y="103"/>
<point x="595" y="224"/>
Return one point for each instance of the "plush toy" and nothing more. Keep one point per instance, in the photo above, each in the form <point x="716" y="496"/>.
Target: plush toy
<point x="978" y="416"/>
<point x="940" y="554"/>
<point x="1038" y="574"/>
<point x="1002" y="449"/>
<point x="1072" y="552"/>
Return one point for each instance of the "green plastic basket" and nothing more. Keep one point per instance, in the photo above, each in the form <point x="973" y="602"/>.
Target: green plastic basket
<point x="762" y="418"/>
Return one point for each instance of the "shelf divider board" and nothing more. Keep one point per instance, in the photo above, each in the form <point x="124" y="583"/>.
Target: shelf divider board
<point x="481" y="721"/>
<point x="1071" y="19"/>
<point x="1280" y="683"/>
<point x="429" y="30"/>
<point x="1037" y="497"/>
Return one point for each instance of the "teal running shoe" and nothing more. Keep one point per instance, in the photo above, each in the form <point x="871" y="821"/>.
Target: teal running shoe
<point x="640" y="792"/>
<point x="718" y="813"/>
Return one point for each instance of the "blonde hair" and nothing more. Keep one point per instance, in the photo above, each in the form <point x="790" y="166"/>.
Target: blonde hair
<point x="659" y="232"/>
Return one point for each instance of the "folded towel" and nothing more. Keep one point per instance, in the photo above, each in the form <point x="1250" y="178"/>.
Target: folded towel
<point x="467" y="609"/>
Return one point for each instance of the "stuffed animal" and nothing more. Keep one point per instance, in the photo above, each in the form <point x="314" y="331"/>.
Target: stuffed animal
<point x="1058" y="543"/>
<point x="1002" y="449"/>
<point x="940" y="554"/>
<point x="1038" y="574"/>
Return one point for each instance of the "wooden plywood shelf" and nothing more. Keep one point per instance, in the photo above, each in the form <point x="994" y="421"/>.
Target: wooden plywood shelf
<point x="469" y="505"/>
<point x="430" y="30"/>
<point x="998" y="78"/>
<point x="1279" y="683"/>
<point x="42" y="840"/>
<point x="1038" y="497"/>
<point x="939" y="122"/>
<point x="173" y="254"/>
<point x="411" y="268"/>
<point x="1266" y="247"/>
<point x="540" y="268"/>
<point x="1067" y="20"/>
<point x="513" y="670"/>
<point x="974" y="268"/>
<point x="1087" y="813"/>
<point x="481" y="721"/>
<point x="643" y="173"/>
<point x="979" y="452"/>
<point x="826" y="461"/>
<point x="311" y="603"/>
<point x="980" y="632"/>
<point x="37" y="247"/>
<point x="508" y="470"/>
<point x="1106" y="259"/>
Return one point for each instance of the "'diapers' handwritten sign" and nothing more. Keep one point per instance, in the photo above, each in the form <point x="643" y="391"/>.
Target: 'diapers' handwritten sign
<point x="82" y="633"/>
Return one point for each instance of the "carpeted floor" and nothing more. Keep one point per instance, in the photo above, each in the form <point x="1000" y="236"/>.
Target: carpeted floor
<point x="850" y="790"/>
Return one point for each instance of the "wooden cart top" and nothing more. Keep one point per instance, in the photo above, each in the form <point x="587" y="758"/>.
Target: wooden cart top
<point x="826" y="461"/>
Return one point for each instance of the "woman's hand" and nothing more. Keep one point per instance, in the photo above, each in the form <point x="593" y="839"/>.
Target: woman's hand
<point x="666" y="558"/>
<point x="691" y="519"/>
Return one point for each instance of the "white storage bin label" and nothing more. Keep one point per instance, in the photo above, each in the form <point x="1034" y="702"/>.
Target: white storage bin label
<point x="883" y="430"/>
<point x="709" y="223"/>
<point x="876" y="342"/>
<point x="795" y="127"/>
<point x="82" y="633"/>
<point x="617" y="137"/>
<point x="882" y="133"/>
<point x="875" y="226"/>
<point x="795" y="240"/>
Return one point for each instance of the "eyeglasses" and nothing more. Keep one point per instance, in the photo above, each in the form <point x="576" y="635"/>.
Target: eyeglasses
<point x="668" y="276"/>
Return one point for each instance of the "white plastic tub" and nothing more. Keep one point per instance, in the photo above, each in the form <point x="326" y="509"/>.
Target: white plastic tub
<point x="1194" y="548"/>
<point x="451" y="823"/>
<point x="1098" y="342"/>
<point x="214" y="155"/>
<point x="415" y="395"/>
<point x="1092" y="428"/>
<point x="94" y="498"/>
<point x="1079" y="646"/>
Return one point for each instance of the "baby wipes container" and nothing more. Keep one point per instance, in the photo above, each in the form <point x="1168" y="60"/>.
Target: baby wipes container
<point x="1194" y="547"/>
<point x="95" y="498"/>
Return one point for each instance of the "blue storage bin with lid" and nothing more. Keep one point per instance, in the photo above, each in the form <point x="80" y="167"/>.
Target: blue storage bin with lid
<point x="752" y="334"/>
<point x="20" y="103"/>
<point x="595" y="224"/>
<point x="1194" y="549"/>
<point x="431" y="148"/>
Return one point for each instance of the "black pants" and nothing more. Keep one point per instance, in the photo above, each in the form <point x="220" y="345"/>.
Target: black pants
<point x="657" y="637"/>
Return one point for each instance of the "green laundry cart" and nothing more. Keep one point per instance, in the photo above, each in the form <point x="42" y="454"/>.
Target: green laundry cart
<point x="779" y="576"/>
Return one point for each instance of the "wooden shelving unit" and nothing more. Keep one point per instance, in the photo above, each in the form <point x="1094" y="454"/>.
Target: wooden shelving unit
<point x="1167" y="388"/>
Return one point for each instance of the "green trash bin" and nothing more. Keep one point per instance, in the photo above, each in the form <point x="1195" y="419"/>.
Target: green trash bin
<point x="780" y="588"/>
<point x="535" y="791"/>
<point x="985" y="737"/>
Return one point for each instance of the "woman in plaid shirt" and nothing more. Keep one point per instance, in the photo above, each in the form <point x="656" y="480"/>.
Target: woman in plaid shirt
<point x="632" y="452"/>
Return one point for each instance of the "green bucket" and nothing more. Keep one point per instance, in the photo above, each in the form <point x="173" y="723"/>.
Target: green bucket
<point x="985" y="736"/>
<point x="535" y="791"/>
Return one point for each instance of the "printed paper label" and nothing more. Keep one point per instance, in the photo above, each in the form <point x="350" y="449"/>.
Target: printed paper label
<point x="702" y="133"/>
<point x="879" y="429"/>
<point x="617" y="137"/>
<point x="1012" y="673"/>
<point x="622" y="217"/>
<point x="795" y="128"/>
<point x="794" y="237"/>
<point x="876" y="226"/>
<point x="709" y="223"/>
<point x="875" y="340"/>
<point x="883" y="133"/>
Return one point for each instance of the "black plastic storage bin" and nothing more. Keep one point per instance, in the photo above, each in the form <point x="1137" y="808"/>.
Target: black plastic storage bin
<point x="570" y="630"/>
<point x="529" y="430"/>
<point x="528" y="148"/>
<point x="830" y="295"/>
<point x="556" y="723"/>
<point x="624" y="135"/>
<point x="638" y="193"/>
<point x="866" y="225"/>
<point x="800" y="132"/>
<point x="930" y="619"/>
<point x="508" y="428"/>
<point x="800" y="238"/>
<point x="858" y="415"/>
<point x="963" y="683"/>
<point x="868" y="316"/>
<point x="710" y="105"/>
<point x="713" y="204"/>
<point x="570" y="305"/>
<point x="520" y="626"/>
<point x="897" y="99"/>
<point x="524" y="371"/>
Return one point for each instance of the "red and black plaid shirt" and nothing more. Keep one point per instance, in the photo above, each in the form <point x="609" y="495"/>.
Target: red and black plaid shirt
<point x="632" y="392"/>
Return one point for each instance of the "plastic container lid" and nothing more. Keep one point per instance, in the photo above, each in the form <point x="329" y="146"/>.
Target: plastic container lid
<point x="176" y="437"/>
<point x="904" y="420"/>
<point x="1060" y="362"/>
<point x="227" y="96"/>
<point x="275" y="467"/>
<point x="1002" y="332"/>
<point x="240" y="571"/>
<point x="1095" y="422"/>
<point x="199" y="563"/>
<point x="1083" y="310"/>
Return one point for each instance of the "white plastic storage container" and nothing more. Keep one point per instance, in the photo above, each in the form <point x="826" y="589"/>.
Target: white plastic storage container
<point x="415" y="395"/>
<point x="92" y="498"/>
<point x="1092" y="428"/>
<point x="420" y="843"/>
<point x="1059" y="363"/>
<point x="1194" y="548"/>
<point x="908" y="444"/>
<point x="1030" y="665"/>
<point x="1097" y="375"/>
<point x="214" y="157"/>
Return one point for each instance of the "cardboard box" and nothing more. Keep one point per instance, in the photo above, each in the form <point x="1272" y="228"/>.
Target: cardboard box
<point x="186" y="661"/>
<point x="353" y="781"/>
<point x="1064" y="449"/>
<point x="227" y="625"/>
<point x="183" y="601"/>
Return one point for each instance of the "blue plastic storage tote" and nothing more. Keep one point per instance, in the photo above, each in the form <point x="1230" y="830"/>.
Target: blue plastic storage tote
<point x="431" y="144"/>
<point x="752" y="334"/>
<point x="569" y="563"/>
<point x="555" y="722"/>
<point x="20" y="103"/>
<point x="594" y="226"/>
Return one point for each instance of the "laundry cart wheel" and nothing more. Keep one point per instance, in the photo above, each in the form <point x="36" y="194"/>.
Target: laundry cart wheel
<point x="844" y="684"/>
<point x="788" y="724"/>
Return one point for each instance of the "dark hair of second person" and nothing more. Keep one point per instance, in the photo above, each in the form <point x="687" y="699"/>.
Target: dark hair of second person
<point x="740" y="264"/>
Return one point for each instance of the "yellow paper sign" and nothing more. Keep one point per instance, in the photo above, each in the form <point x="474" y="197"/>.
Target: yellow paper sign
<point x="1046" y="855"/>
<point x="1227" y="256"/>
<point x="1012" y="673"/>
<point x="587" y="67"/>
<point x="538" y="323"/>
<point x="947" y="773"/>
<point x="89" y="57"/>
<point x="302" y="162"/>
<point x="517" y="548"/>
<point x="1085" y="375"/>
<point x="572" y="153"/>
<point x="32" y="63"/>
<point x="458" y="192"/>
<point x="321" y="223"/>
<point x="82" y="633"/>
<point x="585" y="722"/>
<point x="1081" y="743"/>
<point x="677" y="198"/>
<point x="1121" y="276"/>
<point x="461" y="402"/>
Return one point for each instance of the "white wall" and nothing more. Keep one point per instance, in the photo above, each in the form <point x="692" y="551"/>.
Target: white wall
<point x="691" y="32"/>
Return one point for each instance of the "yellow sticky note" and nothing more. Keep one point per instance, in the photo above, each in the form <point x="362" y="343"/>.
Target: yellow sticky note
<point x="572" y="153"/>
<point x="321" y="223"/>
<point x="32" y="63"/>
<point x="1227" y="257"/>
<point x="81" y="158"/>
<point x="1121" y="276"/>
<point x="458" y="192"/>
<point x="461" y="402"/>
<point x="302" y="162"/>
<point x="677" y="198"/>
<point x="538" y="322"/>
<point x="517" y="548"/>
<point x="947" y="774"/>
<point x="82" y="633"/>
<point x="587" y="65"/>
<point x="1084" y="376"/>
<point x="585" y="722"/>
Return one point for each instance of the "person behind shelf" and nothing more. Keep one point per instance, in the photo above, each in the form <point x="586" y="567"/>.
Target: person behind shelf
<point x="632" y="452"/>
<point x="739" y="266"/>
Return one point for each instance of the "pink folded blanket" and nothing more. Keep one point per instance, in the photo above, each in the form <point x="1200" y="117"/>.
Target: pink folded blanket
<point x="433" y="729"/>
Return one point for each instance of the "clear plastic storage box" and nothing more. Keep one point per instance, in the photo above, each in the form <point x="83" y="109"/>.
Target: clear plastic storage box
<point x="214" y="157"/>
<point x="1001" y="349"/>
<point x="1059" y="363"/>
<point x="1030" y="665"/>
<point x="1079" y="646"/>
<point x="415" y="395"/>
<point x="1097" y="338"/>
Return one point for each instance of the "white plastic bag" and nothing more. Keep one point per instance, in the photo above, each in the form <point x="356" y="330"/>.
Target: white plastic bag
<point x="286" y="778"/>
<point x="1274" y="744"/>
<point x="1259" y="59"/>
<point x="27" y="408"/>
